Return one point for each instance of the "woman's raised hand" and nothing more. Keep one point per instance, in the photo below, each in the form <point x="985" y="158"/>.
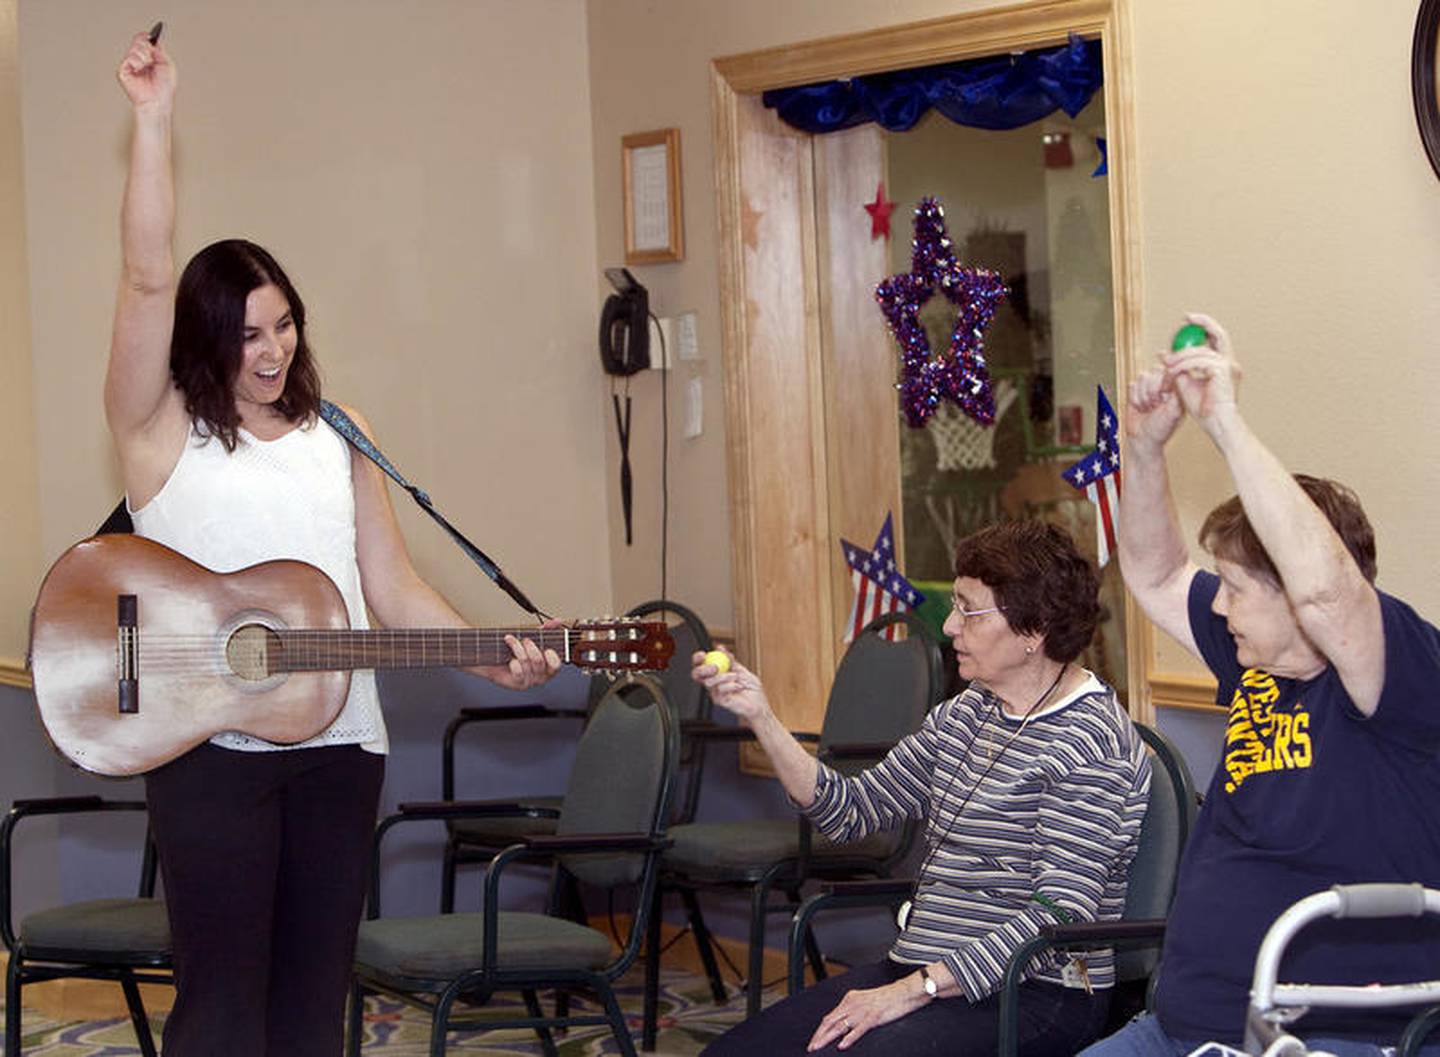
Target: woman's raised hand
<point x="146" y="73"/>
<point x="1206" y="377"/>
<point x="1154" y="411"/>
<point x="738" y="690"/>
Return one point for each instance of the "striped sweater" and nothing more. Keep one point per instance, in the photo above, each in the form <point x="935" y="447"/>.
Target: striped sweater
<point x="1052" y="825"/>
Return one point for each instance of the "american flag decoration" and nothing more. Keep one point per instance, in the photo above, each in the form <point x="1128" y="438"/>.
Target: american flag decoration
<point x="1098" y="475"/>
<point x="879" y="587"/>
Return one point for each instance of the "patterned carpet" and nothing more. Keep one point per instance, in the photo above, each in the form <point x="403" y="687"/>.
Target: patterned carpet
<point x="689" y="1020"/>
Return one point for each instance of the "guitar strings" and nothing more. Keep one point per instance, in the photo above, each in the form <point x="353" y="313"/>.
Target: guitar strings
<point x="338" y="648"/>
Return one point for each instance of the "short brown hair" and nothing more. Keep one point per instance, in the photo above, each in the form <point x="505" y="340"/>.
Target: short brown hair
<point x="1227" y="532"/>
<point x="1040" y="580"/>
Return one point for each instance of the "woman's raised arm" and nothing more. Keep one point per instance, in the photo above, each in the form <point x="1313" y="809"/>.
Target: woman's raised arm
<point x="145" y="411"/>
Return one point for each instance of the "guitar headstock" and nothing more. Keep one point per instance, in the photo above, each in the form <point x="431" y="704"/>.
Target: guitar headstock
<point x="620" y="645"/>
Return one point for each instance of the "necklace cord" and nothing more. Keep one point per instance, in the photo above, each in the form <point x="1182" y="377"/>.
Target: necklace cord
<point x="990" y="766"/>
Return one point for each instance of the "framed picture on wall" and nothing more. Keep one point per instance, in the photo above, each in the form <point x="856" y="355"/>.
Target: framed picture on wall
<point x="654" y="231"/>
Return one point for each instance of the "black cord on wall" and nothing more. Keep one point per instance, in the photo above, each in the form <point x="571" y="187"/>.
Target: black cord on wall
<point x="664" y="459"/>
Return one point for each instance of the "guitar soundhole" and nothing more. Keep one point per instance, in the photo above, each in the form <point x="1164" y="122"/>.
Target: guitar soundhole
<point x="250" y="651"/>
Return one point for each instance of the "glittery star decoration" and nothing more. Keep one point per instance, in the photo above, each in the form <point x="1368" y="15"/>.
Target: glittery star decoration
<point x="880" y="211"/>
<point x="960" y="373"/>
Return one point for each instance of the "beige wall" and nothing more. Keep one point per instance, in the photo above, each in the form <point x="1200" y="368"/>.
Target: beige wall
<point x="19" y="520"/>
<point x="1291" y="200"/>
<point x="424" y="173"/>
<point x="649" y="67"/>
<point x="430" y="210"/>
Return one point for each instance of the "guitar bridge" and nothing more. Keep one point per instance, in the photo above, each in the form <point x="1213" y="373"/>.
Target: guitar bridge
<point x="127" y="655"/>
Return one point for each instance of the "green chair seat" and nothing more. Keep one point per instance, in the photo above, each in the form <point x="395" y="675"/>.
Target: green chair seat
<point x="133" y="927"/>
<point x="725" y="851"/>
<point x="441" y="947"/>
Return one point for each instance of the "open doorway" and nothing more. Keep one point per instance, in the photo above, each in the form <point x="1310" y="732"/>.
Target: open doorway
<point x="1032" y="205"/>
<point x="814" y="438"/>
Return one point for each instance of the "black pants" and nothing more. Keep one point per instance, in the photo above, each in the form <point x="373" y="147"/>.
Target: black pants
<point x="263" y="856"/>
<point x="1054" y="1022"/>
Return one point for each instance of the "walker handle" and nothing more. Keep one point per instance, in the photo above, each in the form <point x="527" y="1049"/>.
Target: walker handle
<point x="1379" y="900"/>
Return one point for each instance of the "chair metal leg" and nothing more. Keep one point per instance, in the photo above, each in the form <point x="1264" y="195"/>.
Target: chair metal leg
<point x="800" y="940"/>
<point x="138" y="1019"/>
<point x="562" y="1009"/>
<point x="617" y="1020"/>
<point x="812" y="946"/>
<point x="440" y="1022"/>
<point x="547" y="1041"/>
<point x="447" y="879"/>
<point x="705" y="946"/>
<point x="817" y="959"/>
<point x="12" y="1006"/>
<point x="650" y="1015"/>
<point x="354" y="1019"/>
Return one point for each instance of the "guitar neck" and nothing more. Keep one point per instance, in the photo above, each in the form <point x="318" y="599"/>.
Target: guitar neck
<point x="323" y="650"/>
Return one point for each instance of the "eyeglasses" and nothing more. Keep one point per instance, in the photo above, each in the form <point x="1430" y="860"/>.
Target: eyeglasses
<point x="966" y="614"/>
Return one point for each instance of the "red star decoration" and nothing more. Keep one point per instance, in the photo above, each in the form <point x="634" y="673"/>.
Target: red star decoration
<point x="879" y="211"/>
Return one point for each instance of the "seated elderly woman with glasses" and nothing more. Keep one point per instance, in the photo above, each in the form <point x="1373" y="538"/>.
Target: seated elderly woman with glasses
<point x="1033" y="785"/>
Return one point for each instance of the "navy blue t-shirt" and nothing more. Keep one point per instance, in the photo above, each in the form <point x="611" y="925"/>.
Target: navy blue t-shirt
<point x="1309" y="794"/>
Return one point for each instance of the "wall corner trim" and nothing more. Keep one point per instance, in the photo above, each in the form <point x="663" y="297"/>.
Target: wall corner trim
<point x="1193" y="692"/>
<point x="14" y="673"/>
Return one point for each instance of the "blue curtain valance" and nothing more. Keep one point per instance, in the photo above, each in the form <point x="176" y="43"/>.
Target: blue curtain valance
<point x="1001" y="92"/>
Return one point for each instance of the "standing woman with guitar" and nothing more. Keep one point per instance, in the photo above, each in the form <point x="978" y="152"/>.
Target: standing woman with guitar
<point x="212" y="397"/>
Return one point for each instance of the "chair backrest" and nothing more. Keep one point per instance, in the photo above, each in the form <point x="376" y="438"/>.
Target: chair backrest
<point x="53" y="807"/>
<point x="687" y="697"/>
<point x="883" y="689"/>
<point x="622" y="778"/>
<point x="689" y="700"/>
<point x="1163" y="834"/>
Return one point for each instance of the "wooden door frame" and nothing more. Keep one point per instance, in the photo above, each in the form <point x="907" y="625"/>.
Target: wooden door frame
<point x="733" y="79"/>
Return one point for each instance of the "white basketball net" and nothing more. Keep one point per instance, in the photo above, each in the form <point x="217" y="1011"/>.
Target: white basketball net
<point x="961" y="443"/>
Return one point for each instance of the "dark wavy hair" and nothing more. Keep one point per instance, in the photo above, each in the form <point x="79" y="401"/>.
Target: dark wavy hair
<point x="207" y="346"/>
<point x="1227" y="532"/>
<point x="1043" y="584"/>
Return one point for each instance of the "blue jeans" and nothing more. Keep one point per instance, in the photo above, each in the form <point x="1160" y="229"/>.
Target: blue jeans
<point x="1143" y="1037"/>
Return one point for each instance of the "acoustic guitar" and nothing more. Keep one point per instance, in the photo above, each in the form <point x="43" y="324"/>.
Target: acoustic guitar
<point x="138" y="654"/>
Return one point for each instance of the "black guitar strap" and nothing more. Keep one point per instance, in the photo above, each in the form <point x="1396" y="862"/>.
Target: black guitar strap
<point x="344" y="425"/>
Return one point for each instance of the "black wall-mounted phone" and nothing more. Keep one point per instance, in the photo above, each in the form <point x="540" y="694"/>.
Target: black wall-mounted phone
<point x="625" y="325"/>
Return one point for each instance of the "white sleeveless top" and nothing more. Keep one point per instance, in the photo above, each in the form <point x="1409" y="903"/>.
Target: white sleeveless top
<point x="286" y="498"/>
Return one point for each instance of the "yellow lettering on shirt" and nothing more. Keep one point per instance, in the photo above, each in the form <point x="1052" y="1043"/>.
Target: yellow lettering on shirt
<point x="1259" y="740"/>
<point x="1301" y="738"/>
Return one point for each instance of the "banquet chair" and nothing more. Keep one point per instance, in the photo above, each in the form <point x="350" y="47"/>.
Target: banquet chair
<point x="608" y="835"/>
<point x="121" y="939"/>
<point x="477" y="840"/>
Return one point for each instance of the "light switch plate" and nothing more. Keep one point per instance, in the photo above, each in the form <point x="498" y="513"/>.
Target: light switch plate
<point x="694" y="407"/>
<point x="687" y="341"/>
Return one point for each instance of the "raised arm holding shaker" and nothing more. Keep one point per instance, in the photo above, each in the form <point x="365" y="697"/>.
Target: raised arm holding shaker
<point x="1329" y="772"/>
